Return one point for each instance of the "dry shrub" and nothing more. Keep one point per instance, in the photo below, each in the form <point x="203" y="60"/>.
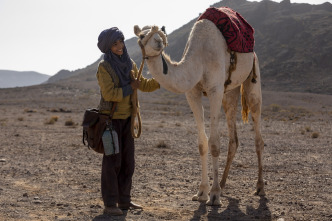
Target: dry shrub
<point x="20" y="119"/>
<point x="308" y="129"/>
<point x="69" y="122"/>
<point x="178" y="113"/>
<point x="315" y="135"/>
<point x="162" y="145"/>
<point x="60" y="110"/>
<point x="275" y="107"/>
<point x="52" y="120"/>
<point x="29" y="111"/>
<point x="3" y="121"/>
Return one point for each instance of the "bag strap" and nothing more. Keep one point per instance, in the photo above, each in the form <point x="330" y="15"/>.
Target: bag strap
<point x="113" y="110"/>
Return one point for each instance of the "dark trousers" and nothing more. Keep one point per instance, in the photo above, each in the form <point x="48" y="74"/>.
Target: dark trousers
<point x="117" y="170"/>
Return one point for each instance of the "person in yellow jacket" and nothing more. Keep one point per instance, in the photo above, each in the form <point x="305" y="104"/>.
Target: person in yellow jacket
<point x="117" y="83"/>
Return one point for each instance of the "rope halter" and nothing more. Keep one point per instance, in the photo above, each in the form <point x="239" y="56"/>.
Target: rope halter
<point x="154" y="29"/>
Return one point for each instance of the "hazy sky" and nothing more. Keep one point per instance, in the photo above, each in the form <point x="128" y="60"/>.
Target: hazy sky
<point x="49" y="35"/>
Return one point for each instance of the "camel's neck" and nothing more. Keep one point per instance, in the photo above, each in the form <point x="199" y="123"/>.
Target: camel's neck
<point x="180" y="77"/>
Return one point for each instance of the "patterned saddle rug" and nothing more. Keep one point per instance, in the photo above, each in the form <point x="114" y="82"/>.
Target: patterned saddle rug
<point x="238" y="33"/>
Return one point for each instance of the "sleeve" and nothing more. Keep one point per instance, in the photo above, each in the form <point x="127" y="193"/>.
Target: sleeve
<point x="106" y="84"/>
<point x="148" y="85"/>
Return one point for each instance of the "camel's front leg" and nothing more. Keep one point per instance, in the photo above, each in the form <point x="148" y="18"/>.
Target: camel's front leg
<point x="194" y="98"/>
<point x="214" y="144"/>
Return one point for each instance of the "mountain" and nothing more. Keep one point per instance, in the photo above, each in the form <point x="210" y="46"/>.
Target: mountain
<point x="21" y="78"/>
<point x="293" y="43"/>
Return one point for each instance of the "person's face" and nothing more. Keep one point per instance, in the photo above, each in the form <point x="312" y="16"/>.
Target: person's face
<point x="117" y="47"/>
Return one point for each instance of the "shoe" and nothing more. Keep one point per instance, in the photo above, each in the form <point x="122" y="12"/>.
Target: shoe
<point x="130" y="205"/>
<point x="113" y="211"/>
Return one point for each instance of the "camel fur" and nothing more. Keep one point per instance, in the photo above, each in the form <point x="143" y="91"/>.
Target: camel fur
<point x="204" y="69"/>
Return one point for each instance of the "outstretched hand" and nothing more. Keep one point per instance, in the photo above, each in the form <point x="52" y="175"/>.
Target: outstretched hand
<point x="134" y="84"/>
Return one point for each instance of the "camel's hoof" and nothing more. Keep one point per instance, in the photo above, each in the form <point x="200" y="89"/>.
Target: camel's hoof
<point x="215" y="202"/>
<point x="260" y="192"/>
<point x="195" y="198"/>
<point x="200" y="198"/>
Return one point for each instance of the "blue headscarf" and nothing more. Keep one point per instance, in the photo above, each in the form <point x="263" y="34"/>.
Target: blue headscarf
<point x="121" y="64"/>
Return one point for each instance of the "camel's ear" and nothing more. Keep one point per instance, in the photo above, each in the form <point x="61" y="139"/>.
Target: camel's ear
<point x="137" y="30"/>
<point x="164" y="30"/>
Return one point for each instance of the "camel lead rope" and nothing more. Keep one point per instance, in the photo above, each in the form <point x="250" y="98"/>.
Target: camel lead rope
<point x="134" y="100"/>
<point x="232" y="67"/>
<point x="253" y="80"/>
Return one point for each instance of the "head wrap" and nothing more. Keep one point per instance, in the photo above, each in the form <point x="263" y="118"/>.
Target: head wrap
<point x="121" y="64"/>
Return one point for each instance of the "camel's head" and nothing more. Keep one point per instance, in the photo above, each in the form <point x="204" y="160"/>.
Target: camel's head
<point x="152" y="38"/>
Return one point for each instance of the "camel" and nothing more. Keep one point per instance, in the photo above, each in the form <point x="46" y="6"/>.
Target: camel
<point x="203" y="70"/>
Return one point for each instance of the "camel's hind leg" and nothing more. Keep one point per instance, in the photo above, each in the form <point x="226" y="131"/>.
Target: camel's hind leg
<point x="252" y="94"/>
<point x="230" y="102"/>
<point x="194" y="98"/>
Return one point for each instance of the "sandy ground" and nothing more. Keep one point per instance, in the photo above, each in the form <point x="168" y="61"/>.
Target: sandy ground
<point x="47" y="174"/>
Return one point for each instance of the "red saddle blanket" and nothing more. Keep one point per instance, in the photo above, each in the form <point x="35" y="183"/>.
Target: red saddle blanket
<point x="238" y="33"/>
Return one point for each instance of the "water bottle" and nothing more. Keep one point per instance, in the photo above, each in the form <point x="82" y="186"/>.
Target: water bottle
<point x="110" y="141"/>
<point x="115" y="141"/>
<point x="107" y="142"/>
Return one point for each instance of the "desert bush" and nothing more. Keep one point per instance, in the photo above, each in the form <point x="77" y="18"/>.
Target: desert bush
<point x="300" y="111"/>
<point x="69" y="122"/>
<point x="315" y="135"/>
<point x="275" y="107"/>
<point x="3" y="121"/>
<point x="52" y="120"/>
<point x="29" y="111"/>
<point x="161" y="144"/>
<point x="20" y="119"/>
<point x="59" y="110"/>
<point x="308" y="129"/>
<point x="177" y="113"/>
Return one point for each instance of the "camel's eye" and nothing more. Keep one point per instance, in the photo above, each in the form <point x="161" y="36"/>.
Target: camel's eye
<point x="141" y="36"/>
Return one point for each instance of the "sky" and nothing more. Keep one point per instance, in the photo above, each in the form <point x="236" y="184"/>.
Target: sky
<point x="47" y="36"/>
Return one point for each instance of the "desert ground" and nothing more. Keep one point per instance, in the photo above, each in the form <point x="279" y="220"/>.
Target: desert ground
<point x="46" y="173"/>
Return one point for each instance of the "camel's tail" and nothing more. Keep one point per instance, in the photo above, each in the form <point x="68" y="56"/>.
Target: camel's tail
<point x="245" y="109"/>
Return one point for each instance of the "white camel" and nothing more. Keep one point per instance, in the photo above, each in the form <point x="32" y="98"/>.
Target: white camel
<point x="204" y="69"/>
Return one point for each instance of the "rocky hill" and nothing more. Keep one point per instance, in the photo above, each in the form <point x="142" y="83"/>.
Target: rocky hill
<point x="21" y="78"/>
<point x="293" y="42"/>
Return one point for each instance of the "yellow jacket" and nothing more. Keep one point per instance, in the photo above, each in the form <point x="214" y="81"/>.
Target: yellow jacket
<point x="111" y="92"/>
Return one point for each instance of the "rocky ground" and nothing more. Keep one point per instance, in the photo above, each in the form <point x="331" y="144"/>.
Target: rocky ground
<point x="47" y="174"/>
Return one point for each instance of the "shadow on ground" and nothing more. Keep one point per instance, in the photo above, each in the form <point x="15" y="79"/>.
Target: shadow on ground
<point x="233" y="212"/>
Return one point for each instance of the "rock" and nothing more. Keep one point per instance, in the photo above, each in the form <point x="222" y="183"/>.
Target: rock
<point x="3" y="160"/>
<point x="37" y="201"/>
